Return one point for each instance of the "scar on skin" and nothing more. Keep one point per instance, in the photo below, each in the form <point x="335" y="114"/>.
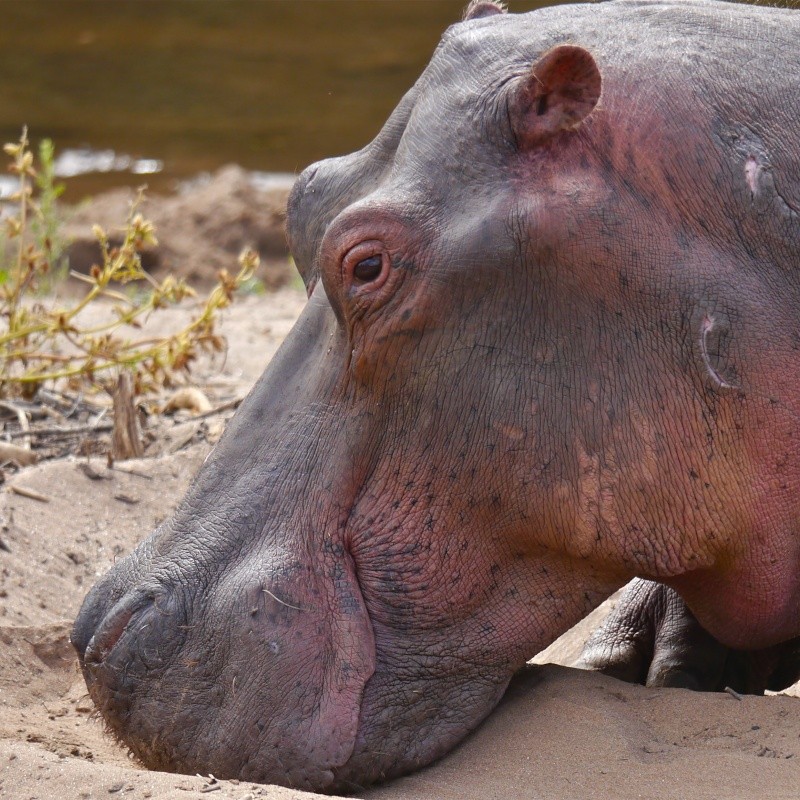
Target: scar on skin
<point x="705" y="328"/>
<point x="752" y="172"/>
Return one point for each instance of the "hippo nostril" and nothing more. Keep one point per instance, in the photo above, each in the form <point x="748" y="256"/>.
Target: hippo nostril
<point x="93" y="611"/>
<point x="84" y="628"/>
<point x="112" y="627"/>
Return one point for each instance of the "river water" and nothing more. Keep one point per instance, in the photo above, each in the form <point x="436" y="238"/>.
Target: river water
<point x="134" y="91"/>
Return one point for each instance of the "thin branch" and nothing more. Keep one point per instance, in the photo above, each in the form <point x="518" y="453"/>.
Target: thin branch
<point x="78" y="429"/>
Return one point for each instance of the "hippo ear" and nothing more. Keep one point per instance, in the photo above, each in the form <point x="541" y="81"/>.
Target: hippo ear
<point x="560" y="91"/>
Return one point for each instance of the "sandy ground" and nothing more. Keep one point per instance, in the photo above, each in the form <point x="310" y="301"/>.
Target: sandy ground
<point x="560" y="733"/>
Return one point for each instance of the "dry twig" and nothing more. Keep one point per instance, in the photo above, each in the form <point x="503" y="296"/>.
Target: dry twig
<point x="33" y="495"/>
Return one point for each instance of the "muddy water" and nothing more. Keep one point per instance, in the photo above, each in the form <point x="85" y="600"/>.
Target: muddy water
<point x="157" y="91"/>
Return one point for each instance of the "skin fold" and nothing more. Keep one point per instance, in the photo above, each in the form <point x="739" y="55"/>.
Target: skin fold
<point x="551" y="344"/>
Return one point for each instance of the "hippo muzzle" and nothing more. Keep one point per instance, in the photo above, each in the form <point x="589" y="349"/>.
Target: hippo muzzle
<point x="524" y="375"/>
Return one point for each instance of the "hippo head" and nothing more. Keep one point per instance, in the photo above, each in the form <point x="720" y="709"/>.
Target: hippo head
<point x="461" y="446"/>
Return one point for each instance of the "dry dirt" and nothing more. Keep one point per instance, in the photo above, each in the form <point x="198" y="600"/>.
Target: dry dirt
<point x="201" y="228"/>
<point x="560" y="733"/>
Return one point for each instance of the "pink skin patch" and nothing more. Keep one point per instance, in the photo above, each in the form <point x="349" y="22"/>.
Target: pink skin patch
<point x="752" y="172"/>
<point x="705" y="328"/>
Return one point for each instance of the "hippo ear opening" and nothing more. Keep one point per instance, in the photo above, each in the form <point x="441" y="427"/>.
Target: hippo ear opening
<point x="559" y="92"/>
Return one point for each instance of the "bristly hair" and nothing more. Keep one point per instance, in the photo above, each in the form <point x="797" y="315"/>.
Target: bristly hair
<point x="484" y="8"/>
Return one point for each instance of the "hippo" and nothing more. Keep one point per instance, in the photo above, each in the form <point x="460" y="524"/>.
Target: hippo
<point x="551" y="345"/>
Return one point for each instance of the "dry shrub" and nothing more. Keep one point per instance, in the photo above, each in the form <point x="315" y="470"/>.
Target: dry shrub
<point x="43" y="342"/>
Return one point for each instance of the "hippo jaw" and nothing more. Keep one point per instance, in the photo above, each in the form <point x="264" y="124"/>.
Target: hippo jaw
<point x="316" y="662"/>
<point x="229" y="643"/>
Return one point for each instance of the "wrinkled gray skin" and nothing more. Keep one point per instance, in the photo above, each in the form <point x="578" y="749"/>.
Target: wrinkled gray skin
<point x="552" y="343"/>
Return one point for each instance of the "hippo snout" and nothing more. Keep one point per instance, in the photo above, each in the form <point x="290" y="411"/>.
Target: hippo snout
<point x="132" y="641"/>
<point x="167" y="657"/>
<point x="87" y="622"/>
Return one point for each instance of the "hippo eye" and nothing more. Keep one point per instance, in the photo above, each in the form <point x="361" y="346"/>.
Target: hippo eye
<point x="368" y="268"/>
<point x="366" y="265"/>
